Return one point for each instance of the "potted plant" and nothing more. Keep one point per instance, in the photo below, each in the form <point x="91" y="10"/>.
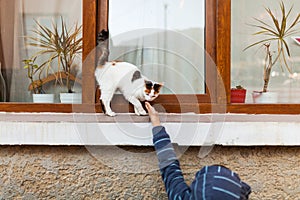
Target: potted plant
<point x="274" y="33"/>
<point x="61" y="46"/>
<point x="238" y="94"/>
<point x="39" y="95"/>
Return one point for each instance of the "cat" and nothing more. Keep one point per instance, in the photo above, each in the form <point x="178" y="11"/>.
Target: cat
<point x="126" y="78"/>
<point x="122" y="76"/>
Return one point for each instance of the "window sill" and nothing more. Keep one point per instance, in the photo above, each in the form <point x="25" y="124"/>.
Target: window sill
<point x="128" y="129"/>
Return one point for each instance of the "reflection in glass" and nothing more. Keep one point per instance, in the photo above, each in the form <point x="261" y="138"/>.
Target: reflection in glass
<point x="164" y="38"/>
<point x="247" y="66"/>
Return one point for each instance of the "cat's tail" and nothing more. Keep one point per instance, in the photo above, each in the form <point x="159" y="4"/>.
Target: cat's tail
<point x="102" y="47"/>
<point x="104" y="53"/>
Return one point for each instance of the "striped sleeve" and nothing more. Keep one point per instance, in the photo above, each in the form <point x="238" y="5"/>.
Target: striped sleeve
<point x="169" y="165"/>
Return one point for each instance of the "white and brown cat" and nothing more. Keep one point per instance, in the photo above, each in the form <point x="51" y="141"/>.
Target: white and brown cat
<point x="122" y="76"/>
<point x="126" y="78"/>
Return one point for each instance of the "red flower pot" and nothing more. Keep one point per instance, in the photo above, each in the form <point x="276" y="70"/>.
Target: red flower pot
<point x="238" y="95"/>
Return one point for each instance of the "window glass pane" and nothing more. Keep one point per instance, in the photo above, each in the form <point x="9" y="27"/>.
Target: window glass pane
<point x="247" y="66"/>
<point x="18" y="19"/>
<point x="164" y="38"/>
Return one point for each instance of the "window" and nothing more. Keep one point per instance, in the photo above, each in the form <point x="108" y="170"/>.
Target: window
<point x="95" y="18"/>
<point x="22" y="22"/>
<point x="139" y="23"/>
<point x="218" y="40"/>
<point x="246" y="66"/>
<point x="17" y="22"/>
<point x="163" y="38"/>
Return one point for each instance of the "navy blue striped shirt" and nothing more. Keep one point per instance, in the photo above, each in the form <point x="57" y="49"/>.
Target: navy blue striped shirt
<point x="211" y="182"/>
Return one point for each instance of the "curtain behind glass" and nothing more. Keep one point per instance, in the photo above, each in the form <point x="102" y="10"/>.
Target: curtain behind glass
<point x="7" y="8"/>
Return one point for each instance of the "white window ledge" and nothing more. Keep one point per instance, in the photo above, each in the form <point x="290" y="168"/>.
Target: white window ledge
<point x="128" y="129"/>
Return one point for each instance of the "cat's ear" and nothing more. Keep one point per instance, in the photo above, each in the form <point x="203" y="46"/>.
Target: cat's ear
<point x="161" y="84"/>
<point x="158" y="86"/>
<point x="148" y="83"/>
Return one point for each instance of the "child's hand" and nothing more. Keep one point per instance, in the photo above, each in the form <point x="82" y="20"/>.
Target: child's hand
<point x="153" y="114"/>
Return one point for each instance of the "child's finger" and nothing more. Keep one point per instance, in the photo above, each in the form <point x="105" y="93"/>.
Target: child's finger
<point x="148" y="106"/>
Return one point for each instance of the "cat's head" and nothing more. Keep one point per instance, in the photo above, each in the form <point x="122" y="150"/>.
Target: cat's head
<point x="151" y="90"/>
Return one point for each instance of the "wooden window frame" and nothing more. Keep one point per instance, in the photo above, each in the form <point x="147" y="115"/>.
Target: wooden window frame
<point x="218" y="33"/>
<point x="95" y="19"/>
<point x="171" y="103"/>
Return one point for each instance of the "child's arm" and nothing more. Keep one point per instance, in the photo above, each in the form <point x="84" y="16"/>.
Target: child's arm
<point x="168" y="162"/>
<point x="169" y="165"/>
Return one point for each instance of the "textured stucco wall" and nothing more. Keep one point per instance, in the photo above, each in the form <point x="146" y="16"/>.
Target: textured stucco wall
<point x="73" y="172"/>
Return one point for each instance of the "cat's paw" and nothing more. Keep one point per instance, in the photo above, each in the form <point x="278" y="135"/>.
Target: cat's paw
<point x="111" y="114"/>
<point x="141" y="112"/>
<point x="144" y="114"/>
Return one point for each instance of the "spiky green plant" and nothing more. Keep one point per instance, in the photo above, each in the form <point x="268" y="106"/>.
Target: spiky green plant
<point x="61" y="45"/>
<point x="275" y="33"/>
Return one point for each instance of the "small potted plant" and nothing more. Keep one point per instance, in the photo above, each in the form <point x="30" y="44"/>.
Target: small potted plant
<point x="238" y="94"/>
<point x="36" y="86"/>
<point x="275" y="45"/>
<point x="62" y="46"/>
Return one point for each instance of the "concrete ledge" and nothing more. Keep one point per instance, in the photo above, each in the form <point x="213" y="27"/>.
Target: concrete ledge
<point x="129" y="117"/>
<point x="128" y="129"/>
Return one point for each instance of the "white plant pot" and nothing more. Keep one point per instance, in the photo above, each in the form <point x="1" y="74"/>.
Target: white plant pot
<point x="75" y="98"/>
<point x="265" y="97"/>
<point x="43" y="98"/>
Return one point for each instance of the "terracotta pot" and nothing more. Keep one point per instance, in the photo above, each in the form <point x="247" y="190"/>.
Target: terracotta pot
<point x="238" y="95"/>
